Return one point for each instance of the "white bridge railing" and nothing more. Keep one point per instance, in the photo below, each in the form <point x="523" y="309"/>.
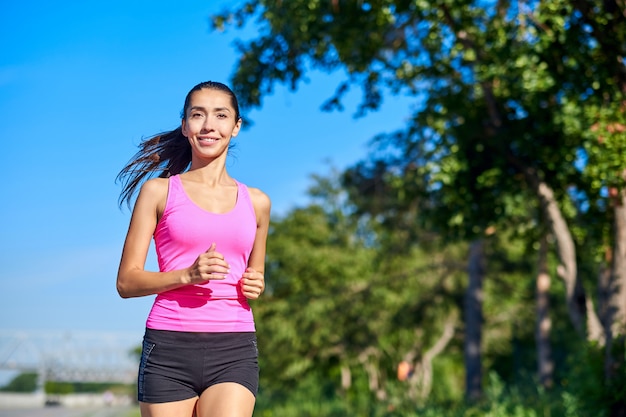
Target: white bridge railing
<point x="71" y="356"/>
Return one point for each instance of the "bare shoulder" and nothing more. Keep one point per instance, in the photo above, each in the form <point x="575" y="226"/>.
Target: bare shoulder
<point x="153" y="194"/>
<point x="260" y="200"/>
<point x="155" y="187"/>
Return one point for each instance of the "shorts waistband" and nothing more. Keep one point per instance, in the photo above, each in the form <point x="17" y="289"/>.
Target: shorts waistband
<point x="178" y="337"/>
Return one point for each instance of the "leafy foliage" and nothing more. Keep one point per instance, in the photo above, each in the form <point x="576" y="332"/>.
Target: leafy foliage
<point x="508" y="96"/>
<point x="25" y="382"/>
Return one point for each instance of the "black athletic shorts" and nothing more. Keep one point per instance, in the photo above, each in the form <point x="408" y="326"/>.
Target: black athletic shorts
<point x="177" y="366"/>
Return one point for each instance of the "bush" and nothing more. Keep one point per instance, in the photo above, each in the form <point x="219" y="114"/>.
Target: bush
<point x="26" y="382"/>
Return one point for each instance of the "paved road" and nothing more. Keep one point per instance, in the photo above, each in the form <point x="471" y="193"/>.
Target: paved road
<point x="68" y="412"/>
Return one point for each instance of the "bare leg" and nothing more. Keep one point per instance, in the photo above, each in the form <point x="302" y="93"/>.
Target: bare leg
<point x="227" y="399"/>
<point x="182" y="408"/>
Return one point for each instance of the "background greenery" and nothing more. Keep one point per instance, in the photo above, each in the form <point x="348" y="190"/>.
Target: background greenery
<point x="483" y="246"/>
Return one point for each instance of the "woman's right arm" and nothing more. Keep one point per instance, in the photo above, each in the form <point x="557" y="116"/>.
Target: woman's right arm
<point x="132" y="278"/>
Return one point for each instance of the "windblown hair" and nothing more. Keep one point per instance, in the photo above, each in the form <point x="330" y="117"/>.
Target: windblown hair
<point x="164" y="154"/>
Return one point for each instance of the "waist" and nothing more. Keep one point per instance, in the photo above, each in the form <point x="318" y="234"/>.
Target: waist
<point x="200" y="314"/>
<point x="189" y="338"/>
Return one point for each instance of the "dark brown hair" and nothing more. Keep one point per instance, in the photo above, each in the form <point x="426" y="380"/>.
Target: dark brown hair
<point x="167" y="153"/>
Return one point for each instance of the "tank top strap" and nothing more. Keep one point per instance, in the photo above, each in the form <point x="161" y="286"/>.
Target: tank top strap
<point x="244" y="197"/>
<point x="174" y="182"/>
<point x="174" y="189"/>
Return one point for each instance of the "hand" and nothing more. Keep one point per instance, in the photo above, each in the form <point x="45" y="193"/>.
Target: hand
<point x="252" y="284"/>
<point x="209" y="265"/>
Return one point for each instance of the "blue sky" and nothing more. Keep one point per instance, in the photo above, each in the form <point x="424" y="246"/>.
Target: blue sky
<point x="80" y="84"/>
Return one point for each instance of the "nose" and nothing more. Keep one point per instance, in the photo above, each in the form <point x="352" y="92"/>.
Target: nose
<point x="207" y="126"/>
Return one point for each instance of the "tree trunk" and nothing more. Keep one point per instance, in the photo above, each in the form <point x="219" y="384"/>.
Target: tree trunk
<point x="346" y="378"/>
<point x="369" y="358"/>
<point x="615" y="326"/>
<point x="615" y="322"/>
<point x="473" y="321"/>
<point x="545" y="364"/>
<point x="421" y="379"/>
<point x="579" y="306"/>
<point x="567" y="269"/>
<point x="617" y="290"/>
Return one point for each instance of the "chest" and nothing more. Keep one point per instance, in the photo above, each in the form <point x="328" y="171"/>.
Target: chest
<point x="218" y="200"/>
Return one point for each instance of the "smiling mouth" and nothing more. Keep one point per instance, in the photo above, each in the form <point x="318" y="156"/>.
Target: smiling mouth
<point x="209" y="140"/>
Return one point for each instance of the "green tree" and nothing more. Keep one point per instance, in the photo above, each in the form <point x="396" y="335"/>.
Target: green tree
<point x="515" y="100"/>
<point x="24" y="382"/>
<point x="338" y="307"/>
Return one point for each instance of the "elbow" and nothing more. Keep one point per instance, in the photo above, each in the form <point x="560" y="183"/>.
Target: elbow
<point x="122" y="293"/>
<point x="123" y="290"/>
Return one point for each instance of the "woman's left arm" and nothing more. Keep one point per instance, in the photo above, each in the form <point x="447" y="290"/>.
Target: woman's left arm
<point x="253" y="279"/>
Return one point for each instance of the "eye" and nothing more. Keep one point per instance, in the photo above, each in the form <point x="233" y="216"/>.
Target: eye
<point x="195" y="115"/>
<point x="222" y="115"/>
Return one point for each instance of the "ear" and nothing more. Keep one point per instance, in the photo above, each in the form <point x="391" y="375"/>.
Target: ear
<point x="183" y="127"/>
<point x="237" y="128"/>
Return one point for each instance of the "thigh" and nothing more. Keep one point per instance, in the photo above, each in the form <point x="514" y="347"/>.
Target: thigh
<point x="184" y="408"/>
<point x="170" y="368"/>
<point x="227" y="399"/>
<point x="231" y="357"/>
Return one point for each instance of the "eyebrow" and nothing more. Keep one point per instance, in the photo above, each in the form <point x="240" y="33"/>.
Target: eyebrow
<point x="192" y="108"/>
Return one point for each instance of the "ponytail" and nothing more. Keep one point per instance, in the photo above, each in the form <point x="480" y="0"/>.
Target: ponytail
<point x="167" y="154"/>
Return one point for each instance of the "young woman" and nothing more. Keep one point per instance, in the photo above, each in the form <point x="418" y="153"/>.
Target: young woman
<point x="199" y="353"/>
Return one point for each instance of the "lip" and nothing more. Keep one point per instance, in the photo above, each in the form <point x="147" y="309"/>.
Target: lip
<point x="208" y="141"/>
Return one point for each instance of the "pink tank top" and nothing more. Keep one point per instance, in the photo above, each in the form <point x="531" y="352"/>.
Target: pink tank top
<point x="184" y="231"/>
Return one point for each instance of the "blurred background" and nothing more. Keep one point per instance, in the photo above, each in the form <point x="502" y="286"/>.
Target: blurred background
<point x="449" y="225"/>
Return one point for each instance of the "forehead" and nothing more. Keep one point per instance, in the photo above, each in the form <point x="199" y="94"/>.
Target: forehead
<point x="210" y="98"/>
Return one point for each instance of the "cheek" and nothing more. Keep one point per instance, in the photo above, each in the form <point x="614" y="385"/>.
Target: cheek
<point x="191" y="129"/>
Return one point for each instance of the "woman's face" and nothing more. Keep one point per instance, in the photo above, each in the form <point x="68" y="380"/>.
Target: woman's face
<point x="210" y="121"/>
